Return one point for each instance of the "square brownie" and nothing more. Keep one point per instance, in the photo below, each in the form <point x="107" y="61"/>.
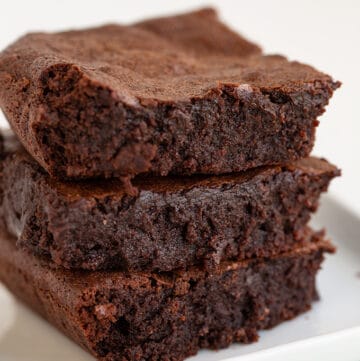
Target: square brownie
<point x="166" y="316"/>
<point x="177" y="95"/>
<point x="172" y="223"/>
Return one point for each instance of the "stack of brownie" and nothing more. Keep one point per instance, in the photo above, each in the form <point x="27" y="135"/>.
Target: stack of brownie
<point x="156" y="196"/>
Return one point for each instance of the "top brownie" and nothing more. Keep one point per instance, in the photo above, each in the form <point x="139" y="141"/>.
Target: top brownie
<point x="176" y="95"/>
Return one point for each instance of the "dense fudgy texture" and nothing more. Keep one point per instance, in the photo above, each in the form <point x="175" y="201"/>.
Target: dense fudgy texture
<point x="178" y="95"/>
<point x="139" y="316"/>
<point x="172" y="222"/>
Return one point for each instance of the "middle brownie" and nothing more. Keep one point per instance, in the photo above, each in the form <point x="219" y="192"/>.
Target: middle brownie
<point x="172" y="222"/>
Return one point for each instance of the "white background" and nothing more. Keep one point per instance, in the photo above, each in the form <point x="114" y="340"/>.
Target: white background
<point x="323" y="33"/>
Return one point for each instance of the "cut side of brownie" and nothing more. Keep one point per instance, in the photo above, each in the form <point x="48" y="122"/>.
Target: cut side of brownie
<point x="166" y="316"/>
<point x="172" y="222"/>
<point x="178" y="95"/>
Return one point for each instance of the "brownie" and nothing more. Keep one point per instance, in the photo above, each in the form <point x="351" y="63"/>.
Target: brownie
<point x="177" y="95"/>
<point x="165" y="316"/>
<point x="173" y="222"/>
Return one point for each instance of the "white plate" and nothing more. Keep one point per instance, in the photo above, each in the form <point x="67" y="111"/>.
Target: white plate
<point x="330" y="331"/>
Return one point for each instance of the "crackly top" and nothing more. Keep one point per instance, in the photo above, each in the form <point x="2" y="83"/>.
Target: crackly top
<point x="164" y="59"/>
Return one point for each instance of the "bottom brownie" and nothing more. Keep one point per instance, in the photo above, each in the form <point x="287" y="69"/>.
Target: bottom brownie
<point x="147" y="316"/>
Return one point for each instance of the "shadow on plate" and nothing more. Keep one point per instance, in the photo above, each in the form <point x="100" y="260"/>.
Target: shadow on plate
<point x="29" y="338"/>
<point x="341" y="224"/>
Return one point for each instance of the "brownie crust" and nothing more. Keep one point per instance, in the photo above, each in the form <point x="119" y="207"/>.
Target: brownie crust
<point x="169" y="316"/>
<point x="172" y="222"/>
<point x="178" y="95"/>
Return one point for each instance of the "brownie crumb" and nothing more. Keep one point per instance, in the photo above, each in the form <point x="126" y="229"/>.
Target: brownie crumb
<point x="177" y="95"/>
<point x="117" y="315"/>
<point x="200" y="220"/>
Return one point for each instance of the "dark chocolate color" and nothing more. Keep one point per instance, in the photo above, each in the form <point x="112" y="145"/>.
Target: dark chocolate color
<point x="141" y="316"/>
<point x="172" y="223"/>
<point x="178" y="95"/>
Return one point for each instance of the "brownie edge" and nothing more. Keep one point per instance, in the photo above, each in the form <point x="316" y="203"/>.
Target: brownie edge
<point x="177" y="95"/>
<point x="169" y="316"/>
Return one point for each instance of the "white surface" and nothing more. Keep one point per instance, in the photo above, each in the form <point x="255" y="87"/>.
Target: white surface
<point x="324" y="33"/>
<point x="330" y="331"/>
